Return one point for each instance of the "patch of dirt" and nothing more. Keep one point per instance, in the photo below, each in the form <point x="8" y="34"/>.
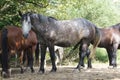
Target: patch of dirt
<point x="98" y="72"/>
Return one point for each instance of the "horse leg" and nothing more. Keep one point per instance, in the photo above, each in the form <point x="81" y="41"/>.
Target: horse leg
<point x="43" y="53"/>
<point x="21" y="60"/>
<point x="30" y="59"/>
<point x="0" y="58"/>
<point x="109" y="51"/>
<point x="5" y="54"/>
<point x="52" y="56"/>
<point x="37" y="54"/>
<point x="5" y="66"/>
<point x="115" y="47"/>
<point x="82" y="54"/>
<point x="89" y="59"/>
<point x="57" y="57"/>
<point x="60" y="56"/>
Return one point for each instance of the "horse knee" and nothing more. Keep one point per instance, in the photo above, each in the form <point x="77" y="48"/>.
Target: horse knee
<point x="88" y="52"/>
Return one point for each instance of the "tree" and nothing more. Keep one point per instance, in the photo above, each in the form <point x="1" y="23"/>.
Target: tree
<point x="9" y="10"/>
<point x="101" y="12"/>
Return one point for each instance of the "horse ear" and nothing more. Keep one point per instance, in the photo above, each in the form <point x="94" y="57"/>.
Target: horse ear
<point x="20" y="13"/>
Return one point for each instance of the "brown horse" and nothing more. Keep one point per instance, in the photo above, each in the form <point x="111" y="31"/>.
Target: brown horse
<point x="110" y="40"/>
<point x="11" y="38"/>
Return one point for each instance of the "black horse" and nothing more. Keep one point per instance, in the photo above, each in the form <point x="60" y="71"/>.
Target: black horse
<point x="64" y="33"/>
<point x="110" y="40"/>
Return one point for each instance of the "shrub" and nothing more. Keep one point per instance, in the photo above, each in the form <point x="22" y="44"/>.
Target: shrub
<point x="101" y="55"/>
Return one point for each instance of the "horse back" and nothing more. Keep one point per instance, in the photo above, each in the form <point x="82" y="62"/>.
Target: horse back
<point x="109" y="37"/>
<point x="14" y="37"/>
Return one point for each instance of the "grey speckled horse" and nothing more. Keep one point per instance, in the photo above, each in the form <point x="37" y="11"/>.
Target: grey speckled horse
<point x="64" y="33"/>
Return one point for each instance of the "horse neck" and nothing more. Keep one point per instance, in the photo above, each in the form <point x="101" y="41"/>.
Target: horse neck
<point x="42" y="26"/>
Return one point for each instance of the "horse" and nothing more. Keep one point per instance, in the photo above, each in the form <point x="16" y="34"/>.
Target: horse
<point x="59" y="51"/>
<point x="11" y="38"/>
<point x="64" y="33"/>
<point x="110" y="40"/>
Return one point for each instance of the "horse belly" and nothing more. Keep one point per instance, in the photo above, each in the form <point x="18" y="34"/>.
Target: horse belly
<point x="67" y="43"/>
<point x="119" y="47"/>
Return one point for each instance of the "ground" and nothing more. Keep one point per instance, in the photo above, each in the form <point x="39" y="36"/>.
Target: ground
<point x="98" y="72"/>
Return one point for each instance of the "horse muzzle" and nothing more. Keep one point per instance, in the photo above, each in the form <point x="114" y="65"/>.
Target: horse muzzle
<point x="25" y="35"/>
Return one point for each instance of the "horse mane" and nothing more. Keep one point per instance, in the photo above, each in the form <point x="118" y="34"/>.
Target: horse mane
<point x="43" y="19"/>
<point x="50" y="17"/>
<point x="87" y="22"/>
<point x="116" y="26"/>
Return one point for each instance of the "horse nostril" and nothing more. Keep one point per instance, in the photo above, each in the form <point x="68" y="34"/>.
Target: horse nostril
<point x="25" y="35"/>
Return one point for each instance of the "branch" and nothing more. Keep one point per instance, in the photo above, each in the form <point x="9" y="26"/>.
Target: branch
<point x="41" y="5"/>
<point x="4" y="7"/>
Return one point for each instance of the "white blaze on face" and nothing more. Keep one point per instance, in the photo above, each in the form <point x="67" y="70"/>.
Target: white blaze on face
<point x="26" y="25"/>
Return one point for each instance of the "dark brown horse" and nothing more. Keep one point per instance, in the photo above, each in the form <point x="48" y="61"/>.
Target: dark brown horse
<point x="11" y="39"/>
<point x="64" y="33"/>
<point x="110" y="40"/>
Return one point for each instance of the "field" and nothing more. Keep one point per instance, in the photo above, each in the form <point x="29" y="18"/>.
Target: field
<point x="98" y="72"/>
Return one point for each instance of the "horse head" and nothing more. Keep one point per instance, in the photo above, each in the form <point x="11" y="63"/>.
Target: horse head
<point x="26" y="24"/>
<point x="117" y="27"/>
<point x="33" y="20"/>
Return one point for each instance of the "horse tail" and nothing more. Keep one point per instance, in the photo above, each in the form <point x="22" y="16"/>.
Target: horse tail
<point x="96" y="42"/>
<point x="71" y="51"/>
<point x="4" y="47"/>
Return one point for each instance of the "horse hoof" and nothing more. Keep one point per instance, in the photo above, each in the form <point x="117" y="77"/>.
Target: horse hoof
<point x="5" y="75"/>
<point x="32" y="71"/>
<point x="76" y="70"/>
<point x="41" y="71"/>
<point x="90" y="67"/>
<point x="82" y="67"/>
<point x="110" y="67"/>
<point x="53" y="70"/>
<point x="22" y="71"/>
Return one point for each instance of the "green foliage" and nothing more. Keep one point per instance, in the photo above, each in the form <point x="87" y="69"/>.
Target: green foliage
<point x="103" y="13"/>
<point x="9" y="10"/>
<point x="7" y="13"/>
<point x="101" y="55"/>
<point x="118" y="56"/>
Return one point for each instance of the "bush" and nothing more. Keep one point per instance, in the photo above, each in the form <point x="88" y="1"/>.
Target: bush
<point x="101" y="55"/>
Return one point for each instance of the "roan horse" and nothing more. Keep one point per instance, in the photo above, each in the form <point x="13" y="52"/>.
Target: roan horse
<point x="110" y="40"/>
<point x="11" y="38"/>
<point x="64" y="33"/>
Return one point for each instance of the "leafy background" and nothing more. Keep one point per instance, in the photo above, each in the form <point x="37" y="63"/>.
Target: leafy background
<point x="103" y="13"/>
